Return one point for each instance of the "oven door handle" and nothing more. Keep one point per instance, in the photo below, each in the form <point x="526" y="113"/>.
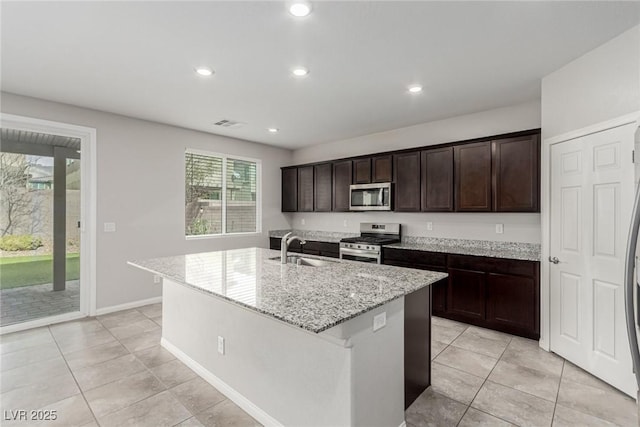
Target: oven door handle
<point x="360" y="252"/>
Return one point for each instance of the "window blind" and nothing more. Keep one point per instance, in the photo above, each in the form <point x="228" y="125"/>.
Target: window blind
<point x="241" y="196"/>
<point x="220" y="195"/>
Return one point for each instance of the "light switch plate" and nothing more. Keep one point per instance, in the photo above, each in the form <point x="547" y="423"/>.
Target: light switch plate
<point x="344" y="223"/>
<point x="379" y="321"/>
<point x="109" y="227"/>
<point x="302" y="221"/>
<point x="429" y="226"/>
<point x="499" y="228"/>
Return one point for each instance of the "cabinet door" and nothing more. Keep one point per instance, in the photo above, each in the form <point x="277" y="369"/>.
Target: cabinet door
<point x="289" y="190"/>
<point x="473" y="177"/>
<point x="362" y="171"/>
<point x="322" y="187"/>
<point x="382" y="168"/>
<point x="305" y="189"/>
<point x="439" y="297"/>
<point x="466" y="293"/>
<point x="516" y="174"/>
<point x="407" y="182"/>
<point x="512" y="304"/>
<point x="437" y="180"/>
<point x="342" y="175"/>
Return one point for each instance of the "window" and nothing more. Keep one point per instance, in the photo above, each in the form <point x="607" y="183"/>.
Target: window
<point x="221" y="194"/>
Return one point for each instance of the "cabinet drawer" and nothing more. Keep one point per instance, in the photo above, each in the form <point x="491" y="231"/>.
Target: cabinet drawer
<point x="493" y="265"/>
<point x="421" y="259"/>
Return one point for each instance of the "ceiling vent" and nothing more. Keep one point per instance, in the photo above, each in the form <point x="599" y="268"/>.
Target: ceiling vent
<point x="228" y="123"/>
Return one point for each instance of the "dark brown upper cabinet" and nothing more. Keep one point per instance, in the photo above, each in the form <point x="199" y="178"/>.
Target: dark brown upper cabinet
<point x="289" y="189"/>
<point x="362" y="171"/>
<point x="473" y="177"/>
<point x="382" y="168"/>
<point x="322" y="187"/>
<point x="342" y="176"/>
<point x="407" y="181"/>
<point x="305" y="189"/>
<point x="437" y="180"/>
<point x="516" y="174"/>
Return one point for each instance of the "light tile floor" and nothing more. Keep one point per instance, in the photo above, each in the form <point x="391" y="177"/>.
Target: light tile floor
<point x="111" y="371"/>
<point x="25" y="303"/>
<point x="483" y="377"/>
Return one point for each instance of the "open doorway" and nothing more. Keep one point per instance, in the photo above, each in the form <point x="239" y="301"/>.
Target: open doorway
<point x="39" y="225"/>
<point x="47" y="255"/>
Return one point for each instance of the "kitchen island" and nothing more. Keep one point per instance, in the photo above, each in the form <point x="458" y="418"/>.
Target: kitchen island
<point x="295" y="344"/>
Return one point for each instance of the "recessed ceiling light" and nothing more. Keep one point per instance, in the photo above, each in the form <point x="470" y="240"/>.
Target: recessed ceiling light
<point x="415" y="88"/>
<point x="300" y="9"/>
<point x="273" y="130"/>
<point x="204" y="71"/>
<point x="300" y="71"/>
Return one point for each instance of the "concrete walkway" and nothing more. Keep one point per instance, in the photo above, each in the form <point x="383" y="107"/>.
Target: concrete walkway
<point x="33" y="302"/>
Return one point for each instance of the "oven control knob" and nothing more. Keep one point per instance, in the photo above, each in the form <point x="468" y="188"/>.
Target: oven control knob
<point x="359" y="246"/>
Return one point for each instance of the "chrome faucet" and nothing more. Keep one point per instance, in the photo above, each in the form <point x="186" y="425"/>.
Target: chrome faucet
<point x="284" y="245"/>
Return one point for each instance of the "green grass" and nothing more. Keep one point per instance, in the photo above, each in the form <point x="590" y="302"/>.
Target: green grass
<point x="34" y="270"/>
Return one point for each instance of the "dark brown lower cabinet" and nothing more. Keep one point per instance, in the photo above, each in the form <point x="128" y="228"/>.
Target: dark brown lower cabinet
<point x="494" y="293"/>
<point x="466" y="293"/>
<point x="312" y="247"/>
<point x="512" y="303"/>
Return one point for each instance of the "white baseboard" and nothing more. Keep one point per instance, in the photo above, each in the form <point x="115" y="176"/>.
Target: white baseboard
<point x="128" y="305"/>
<point x="233" y="395"/>
<point x="41" y="322"/>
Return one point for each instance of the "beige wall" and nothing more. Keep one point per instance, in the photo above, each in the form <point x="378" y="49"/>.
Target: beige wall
<point x="140" y="180"/>
<point x="602" y="84"/>
<point x="518" y="227"/>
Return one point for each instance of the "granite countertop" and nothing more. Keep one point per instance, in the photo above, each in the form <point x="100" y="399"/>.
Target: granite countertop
<point x="485" y="248"/>
<point x="318" y="236"/>
<point x="312" y="298"/>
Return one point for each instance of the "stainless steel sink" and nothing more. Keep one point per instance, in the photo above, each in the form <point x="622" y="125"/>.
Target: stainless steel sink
<point x="300" y="260"/>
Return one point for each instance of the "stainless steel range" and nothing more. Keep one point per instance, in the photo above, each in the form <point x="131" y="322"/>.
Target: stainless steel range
<point x="368" y="246"/>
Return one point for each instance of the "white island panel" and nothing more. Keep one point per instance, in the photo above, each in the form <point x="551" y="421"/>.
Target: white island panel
<point x="283" y="375"/>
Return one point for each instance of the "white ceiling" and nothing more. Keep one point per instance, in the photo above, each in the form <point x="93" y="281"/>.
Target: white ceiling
<point x="137" y="59"/>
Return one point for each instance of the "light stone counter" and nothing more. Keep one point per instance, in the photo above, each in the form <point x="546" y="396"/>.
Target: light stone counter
<point x="314" y="235"/>
<point x="485" y="248"/>
<point x="312" y="298"/>
<point x="298" y="345"/>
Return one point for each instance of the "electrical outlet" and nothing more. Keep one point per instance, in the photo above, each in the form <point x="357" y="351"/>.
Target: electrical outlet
<point x="499" y="228"/>
<point x="379" y="321"/>
<point x="109" y="227"/>
<point x="302" y="221"/>
<point x="429" y="226"/>
<point x="156" y="278"/>
<point x="220" y="345"/>
<point x="344" y="223"/>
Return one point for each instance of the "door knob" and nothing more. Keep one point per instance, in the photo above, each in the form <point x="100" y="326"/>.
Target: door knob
<point x="554" y="260"/>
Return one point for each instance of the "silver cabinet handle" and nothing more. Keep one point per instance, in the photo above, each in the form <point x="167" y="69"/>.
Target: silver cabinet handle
<point x="554" y="260"/>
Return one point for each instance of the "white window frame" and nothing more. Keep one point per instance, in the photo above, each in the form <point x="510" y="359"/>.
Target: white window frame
<point x="223" y="195"/>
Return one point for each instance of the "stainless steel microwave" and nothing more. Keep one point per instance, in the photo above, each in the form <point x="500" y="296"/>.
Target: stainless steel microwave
<point x="370" y="197"/>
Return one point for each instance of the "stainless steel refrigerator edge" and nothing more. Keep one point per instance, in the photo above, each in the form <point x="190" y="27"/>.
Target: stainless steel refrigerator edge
<point x="632" y="285"/>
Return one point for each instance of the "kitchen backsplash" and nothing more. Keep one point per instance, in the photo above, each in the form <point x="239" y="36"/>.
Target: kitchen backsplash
<point x="516" y="227"/>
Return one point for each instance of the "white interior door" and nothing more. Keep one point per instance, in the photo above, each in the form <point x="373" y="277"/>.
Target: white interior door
<point x="591" y="201"/>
